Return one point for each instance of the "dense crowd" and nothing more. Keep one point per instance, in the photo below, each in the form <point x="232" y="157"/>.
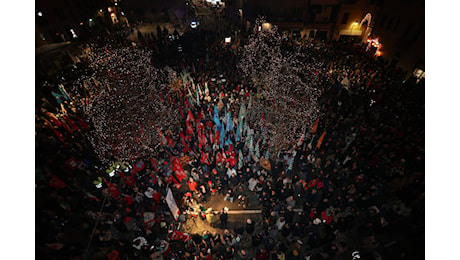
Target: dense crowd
<point x="359" y="172"/>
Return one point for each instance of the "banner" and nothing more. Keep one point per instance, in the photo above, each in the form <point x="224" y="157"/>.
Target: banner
<point x="172" y="204"/>
<point x="57" y="183"/>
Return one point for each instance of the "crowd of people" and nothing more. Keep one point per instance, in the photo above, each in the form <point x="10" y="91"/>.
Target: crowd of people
<point x="357" y="176"/>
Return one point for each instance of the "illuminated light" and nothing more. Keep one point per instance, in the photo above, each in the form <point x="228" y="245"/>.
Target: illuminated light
<point x="116" y="3"/>
<point x="40" y="14"/>
<point x="81" y="23"/>
<point x="109" y="9"/>
<point x="90" y="20"/>
<point x="99" y="185"/>
<point x="228" y="39"/>
<point x="100" y="10"/>
<point x="122" y="13"/>
<point x="74" y="35"/>
<point x="112" y="173"/>
<point x="378" y="53"/>
<point x="355" y="23"/>
<point x="194" y="24"/>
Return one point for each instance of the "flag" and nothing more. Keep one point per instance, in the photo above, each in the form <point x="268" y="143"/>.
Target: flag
<point x="70" y="122"/>
<point x="240" y="160"/>
<point x="59" y="97"/>
<point x="67" y="128"/>
<point x="169" y="142"/>
<point x="257" y="152"/>
<point x="189" y="129"/>
<point x="219" y="158"/>
<point x="63" y="92"/>
<point x="162" y="138"/>
<point x="177" y="169"/>
<point x="190" y="116"/>
<point x="72" y="163"/>
<point x="82" y="123"/>
<point x="177" y="235"/>
<point x="229" y="122"/>
<point x="112" y="189"/>
<point x="184" y="160"/>
<point x="139" y="166"/>
<point x="238" y="130"/>
<point x="222" y="135"/>
<point x="55" y="182"/>
<point x="320" y="140"/>
<point x="215" y="116"/>
<point x="59" y="135"/>
<point x="201" y="116"/>
<point x="315" y="126"/>
<point x="172" y="204"/>
<point x="53" y="119"/>
<point x="242" y="113"/>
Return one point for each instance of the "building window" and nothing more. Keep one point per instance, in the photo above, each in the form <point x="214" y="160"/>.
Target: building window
<point x="382" y="22"/>
<point x="390" y="22"/>
<point x="345" y="18"/>
<point x="396" y="25"/>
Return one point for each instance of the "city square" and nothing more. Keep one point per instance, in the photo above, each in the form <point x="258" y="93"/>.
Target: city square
<point x="229" y="129"/>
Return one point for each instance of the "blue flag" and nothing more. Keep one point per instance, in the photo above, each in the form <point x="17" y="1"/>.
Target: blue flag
<point x="215" y="117"/>
<point x="59" y="98"/>
<point x="222" y="135"/>
<point x="229" y="122"/>
<point x="238" y="128"/>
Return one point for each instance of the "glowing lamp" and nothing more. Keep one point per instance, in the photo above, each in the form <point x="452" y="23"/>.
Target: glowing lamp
<point x="228" y="39"/>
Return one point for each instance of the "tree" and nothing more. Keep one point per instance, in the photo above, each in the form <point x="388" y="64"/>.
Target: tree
<point x="127" y="101"/>
<point x="287" y="87"/>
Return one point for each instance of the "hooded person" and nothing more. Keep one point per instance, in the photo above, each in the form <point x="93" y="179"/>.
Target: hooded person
<point x="250" y="226"/>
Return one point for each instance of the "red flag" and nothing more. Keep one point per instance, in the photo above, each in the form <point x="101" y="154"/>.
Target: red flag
<point x="53" y="119"/>
<point x="219" y="157"/>
<point x="320" y="141"/>
<point x="177" y="235"/>
<point x="70" y="122"/>
<point x="55" y="182"/>
<point x="201" y="116"/>
<point x="72" y="163"/>
<point x="112" y="189"/>
<point x="59" y="135"/>
<point x="182" y="138"/>
<point x="217" y="139"/>
<point x="154" y="164"/>
<point x="204" y="158"/>
<point x="169" y="142"/>
<point x="232" y="159"/>
<point x="315" y="126"/>
<point x="189" y="130"/>
<point x="139" y="166"/>
<point x="190" y="116"/>
<point x="177" y="169"/>
<point x="129" y="180"/>
<point x="67" y="128"/>
<point x="82" y="123"/>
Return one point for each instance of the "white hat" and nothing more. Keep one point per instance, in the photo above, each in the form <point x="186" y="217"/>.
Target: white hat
<point x="149" y="193"/>
<point x="316" y="221"/>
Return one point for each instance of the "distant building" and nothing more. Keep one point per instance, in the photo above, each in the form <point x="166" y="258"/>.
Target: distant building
<point x="395" y="29"/>
<point x="400" y="27"/>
